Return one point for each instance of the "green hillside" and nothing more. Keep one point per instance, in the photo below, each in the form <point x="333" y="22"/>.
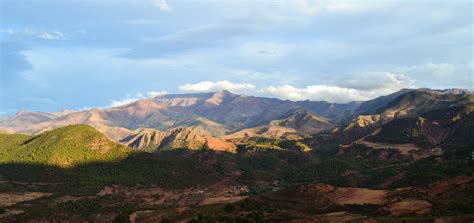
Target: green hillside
<point x="64" y="147"/>
<point x="83" y="160"/>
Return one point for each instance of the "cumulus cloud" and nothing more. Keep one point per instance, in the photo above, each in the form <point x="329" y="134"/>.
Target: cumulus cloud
<point x="323" y="93"/>
<point x="354" y="87"/>
<point x="316" y="93"/>
<point x="132" y="98"/>
<point x="370" y="81"/>
<point x="206" y="86"/>
<point x="370" y="85"/>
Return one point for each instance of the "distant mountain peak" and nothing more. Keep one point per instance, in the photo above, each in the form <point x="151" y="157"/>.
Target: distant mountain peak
<point x="303" y="120"/>
<point x="23" y="112"/>
<point x="225" y="92"/>
<point x="220" y="96"/>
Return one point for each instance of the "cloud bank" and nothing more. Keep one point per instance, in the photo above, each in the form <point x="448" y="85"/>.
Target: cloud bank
<point x="129" y="98"/>
<point x="351" y="88"/>
<point x="206" y="86"/>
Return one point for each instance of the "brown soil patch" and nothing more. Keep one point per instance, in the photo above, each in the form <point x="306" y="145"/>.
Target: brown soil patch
<point x="358" y="196"/>
<point x="67" y="198"/>
<point x="409" y="206"/>
<point x="320" y="196"/>
<point x="220" y="145"/>
<point x="8" y="199"/>
<point x="220" y="200"/>
<point x="352" y="195"/>
<point x="405" y="149"/>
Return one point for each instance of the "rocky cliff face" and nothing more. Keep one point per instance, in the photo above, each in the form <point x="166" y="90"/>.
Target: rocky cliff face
<point x="154" y="140"/>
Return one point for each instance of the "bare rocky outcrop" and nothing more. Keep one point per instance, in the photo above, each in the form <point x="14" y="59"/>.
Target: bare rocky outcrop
<point x="155" y="140"/>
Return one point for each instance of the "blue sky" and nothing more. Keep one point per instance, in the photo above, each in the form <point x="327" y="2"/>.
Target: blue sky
<point x="66" y="54"/>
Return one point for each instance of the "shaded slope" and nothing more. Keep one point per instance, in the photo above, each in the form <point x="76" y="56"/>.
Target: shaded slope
<point x="432" y="129"/>
<point x="420" y="101"/>
<point x="303" y="121"/>
<point x="370" y="106"/>
<point x="416" y="130"/>
<point x="405" y="103"/>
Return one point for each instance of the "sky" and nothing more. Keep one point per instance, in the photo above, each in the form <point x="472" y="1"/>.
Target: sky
<point x="65" y="54"/>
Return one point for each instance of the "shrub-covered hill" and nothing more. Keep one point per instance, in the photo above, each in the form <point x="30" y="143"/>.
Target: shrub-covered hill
<point x="64" y="147"/>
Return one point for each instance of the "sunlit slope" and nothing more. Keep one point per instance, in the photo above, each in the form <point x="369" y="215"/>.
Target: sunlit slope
<point x="65" y="147"/>
<point x="152" y="140"/>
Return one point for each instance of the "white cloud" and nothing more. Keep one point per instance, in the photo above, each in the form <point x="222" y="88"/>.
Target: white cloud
<point x="161" y="4"/>
<point x="324" y="93"/>
<point x="354" y="87"/>
<point x="40" y="34"/>
<point x="316" y="93"/>
<point x="129" y="98"/>
<point x="55" y="35"/>
<point x="206" y="86"/>
<point x="370" y="81"/>
<point x="153" y="94"/>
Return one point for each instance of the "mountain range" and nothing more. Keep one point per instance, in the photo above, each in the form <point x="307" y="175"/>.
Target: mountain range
<point x="229" y="116"/>
<point x="223" y="157"/>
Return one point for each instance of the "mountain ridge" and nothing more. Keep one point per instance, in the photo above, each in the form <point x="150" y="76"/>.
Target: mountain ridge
<point x="152" y="140"/>
<point x="217" y="114"/>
